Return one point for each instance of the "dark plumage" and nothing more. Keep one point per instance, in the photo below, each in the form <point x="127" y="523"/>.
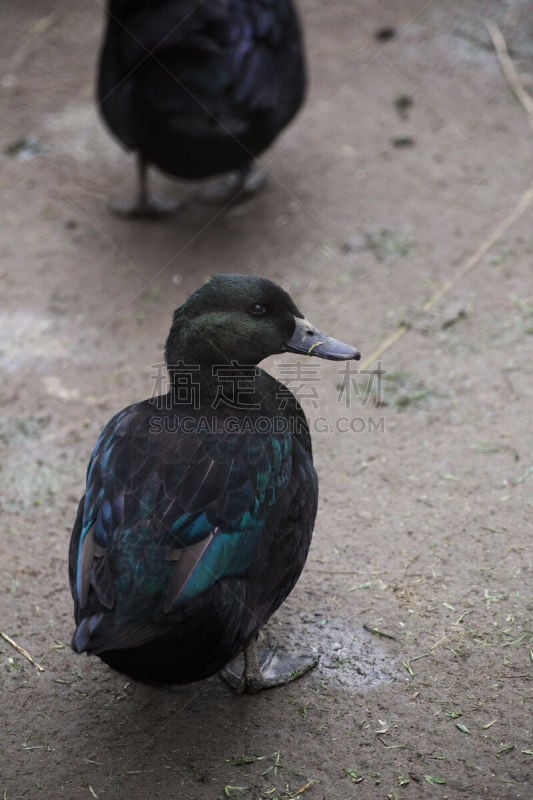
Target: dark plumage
<point x="200" y="504"/>
<point x="200" y="87"/>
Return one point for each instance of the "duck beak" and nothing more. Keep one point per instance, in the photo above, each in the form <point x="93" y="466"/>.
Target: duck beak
<point x="308" y="340"/>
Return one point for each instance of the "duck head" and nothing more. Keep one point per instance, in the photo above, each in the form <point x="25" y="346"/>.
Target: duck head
<point x="245" y="318"/>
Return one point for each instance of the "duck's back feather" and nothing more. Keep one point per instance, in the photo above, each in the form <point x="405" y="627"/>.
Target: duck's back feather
<point x="185" y="543"/>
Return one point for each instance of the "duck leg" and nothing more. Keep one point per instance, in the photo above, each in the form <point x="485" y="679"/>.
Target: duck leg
<point x="265" y="668"/>
<point x="146" y="205"/>
<point x="236" y="187"/>
<point x="251" y="178"/>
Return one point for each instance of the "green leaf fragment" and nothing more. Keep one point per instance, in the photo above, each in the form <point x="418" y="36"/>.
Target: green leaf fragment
<point x="354" y="774"/>
<point x="238" y="760"/>
<point x="231" y="791"/>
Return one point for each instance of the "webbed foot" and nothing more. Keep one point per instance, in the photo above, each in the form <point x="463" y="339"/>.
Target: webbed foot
<point x="235" y="187"/>
<point x="149" y="206"/>
<point x="146" y="205"/>
<point x="258" y="669"/>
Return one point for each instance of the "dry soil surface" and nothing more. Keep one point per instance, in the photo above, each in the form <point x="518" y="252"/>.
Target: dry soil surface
<point x="409" y="155"/>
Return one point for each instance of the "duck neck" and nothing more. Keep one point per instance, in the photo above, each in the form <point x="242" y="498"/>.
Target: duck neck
<point x="209" y="386"/>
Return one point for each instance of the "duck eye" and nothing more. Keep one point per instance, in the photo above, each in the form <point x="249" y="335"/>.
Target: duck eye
<point x="257" y="309"/>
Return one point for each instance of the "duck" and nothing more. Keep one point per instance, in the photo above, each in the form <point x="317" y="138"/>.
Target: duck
<point x="198" y="89"/>
<point x="200" y="501"/>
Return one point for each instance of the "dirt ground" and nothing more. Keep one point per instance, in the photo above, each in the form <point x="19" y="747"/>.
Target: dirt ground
<point x="409" y="155"/>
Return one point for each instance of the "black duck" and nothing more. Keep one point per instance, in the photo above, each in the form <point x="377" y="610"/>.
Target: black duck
<point x="199" y="87"/>
<point x="200" y="503"/>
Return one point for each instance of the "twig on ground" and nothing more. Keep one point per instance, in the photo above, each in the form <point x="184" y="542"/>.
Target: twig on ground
<point x="21" y="650"/>
<point x="303" y="788"/>
<point x="377" y="632"/>
<point x="508" y="68"/>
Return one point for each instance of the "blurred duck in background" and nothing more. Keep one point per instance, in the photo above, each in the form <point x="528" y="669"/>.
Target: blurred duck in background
<point x="199" y="88"/>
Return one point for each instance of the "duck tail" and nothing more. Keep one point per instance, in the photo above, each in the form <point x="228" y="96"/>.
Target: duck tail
<point x="99" y="634"/>
<point x="81" y="640"/>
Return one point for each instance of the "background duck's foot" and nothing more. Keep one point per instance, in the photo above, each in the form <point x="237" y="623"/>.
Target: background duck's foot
<point x="147" y="207"/>
<point x="235" y="187"/>
<point x="252" y="179"/>
<point x="261" y="668"/>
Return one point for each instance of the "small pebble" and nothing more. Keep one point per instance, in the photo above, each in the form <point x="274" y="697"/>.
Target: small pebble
<point x="385" y="34"/>
<point x="403" y="141"/>
<point x="453" y="314"/>
<point x="354" y="244"/>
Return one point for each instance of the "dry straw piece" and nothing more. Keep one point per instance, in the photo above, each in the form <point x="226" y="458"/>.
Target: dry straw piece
<point x="21" y="650"/>
<point x="508" y="68"/>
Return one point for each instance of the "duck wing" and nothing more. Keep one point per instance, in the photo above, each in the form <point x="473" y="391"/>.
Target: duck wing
<point x="167" y="515"/>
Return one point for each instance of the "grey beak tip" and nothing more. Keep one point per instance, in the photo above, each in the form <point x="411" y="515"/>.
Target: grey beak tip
<point x="309" y="341"/>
